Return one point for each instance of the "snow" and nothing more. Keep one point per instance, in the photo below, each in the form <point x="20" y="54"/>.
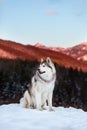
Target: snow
<point x="14" y="117"/>
<point x="83" y="48"/>
<point x="85" y="57"/>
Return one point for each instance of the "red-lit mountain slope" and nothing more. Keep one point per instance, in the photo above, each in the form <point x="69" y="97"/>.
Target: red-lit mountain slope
<point x="79" y="52"/>
<point x="13" y="50"/>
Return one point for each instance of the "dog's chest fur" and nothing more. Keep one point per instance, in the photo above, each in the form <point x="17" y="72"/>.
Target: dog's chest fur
<point x="43" y="87"/>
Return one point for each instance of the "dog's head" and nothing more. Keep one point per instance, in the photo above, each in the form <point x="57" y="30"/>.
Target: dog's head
<point x="46" y="68"/>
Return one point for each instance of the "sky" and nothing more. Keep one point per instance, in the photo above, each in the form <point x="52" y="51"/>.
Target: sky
<point x="58" y="23"/>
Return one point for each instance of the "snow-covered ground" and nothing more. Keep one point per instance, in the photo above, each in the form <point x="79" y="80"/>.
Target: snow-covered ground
<point x="14" y="117"/>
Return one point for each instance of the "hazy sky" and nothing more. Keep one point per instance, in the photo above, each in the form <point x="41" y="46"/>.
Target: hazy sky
<point x="51" y="22"/>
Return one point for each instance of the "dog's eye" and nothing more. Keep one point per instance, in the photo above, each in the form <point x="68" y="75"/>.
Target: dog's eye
<point x="43" y="65"/>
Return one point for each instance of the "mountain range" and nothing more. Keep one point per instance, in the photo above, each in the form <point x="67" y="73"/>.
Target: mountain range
<point x="78" y="52"/>
<point x="74" y="57"/>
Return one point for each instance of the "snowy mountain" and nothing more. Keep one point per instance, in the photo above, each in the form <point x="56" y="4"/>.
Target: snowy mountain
<point x="13" y="50"/>
<point x="79" y="52"/>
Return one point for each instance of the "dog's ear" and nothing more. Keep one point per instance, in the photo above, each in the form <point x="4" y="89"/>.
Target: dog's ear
<point x="48" y="60"/>
<point x="41" y="60"/>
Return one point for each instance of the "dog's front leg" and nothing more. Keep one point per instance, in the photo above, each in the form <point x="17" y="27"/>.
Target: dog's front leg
<point x="50" y="102"/>
<point x="38" y="101"/>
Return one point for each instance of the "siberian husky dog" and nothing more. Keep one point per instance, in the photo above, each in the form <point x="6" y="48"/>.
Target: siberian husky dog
<point x="40" y="92"/>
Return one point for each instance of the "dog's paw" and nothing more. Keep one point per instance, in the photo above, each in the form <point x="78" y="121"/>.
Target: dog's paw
<point x="40" y="109"/>
<point x="44" y="108"/>
<point x="51" y="109"/>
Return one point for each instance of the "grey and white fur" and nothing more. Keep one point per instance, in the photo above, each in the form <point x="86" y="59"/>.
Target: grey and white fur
<point x="40" y="93"/>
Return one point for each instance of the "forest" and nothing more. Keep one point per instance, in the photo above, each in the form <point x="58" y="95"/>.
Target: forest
<point x="70" y="86"/>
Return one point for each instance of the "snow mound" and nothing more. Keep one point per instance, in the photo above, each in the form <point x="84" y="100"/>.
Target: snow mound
<point x="14" y="117"/>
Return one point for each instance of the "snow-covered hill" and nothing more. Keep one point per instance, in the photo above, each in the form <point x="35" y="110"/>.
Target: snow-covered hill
<point x="14" y="117"/>
<point x="13" y="50"/>
<point x="79" y="51"/>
